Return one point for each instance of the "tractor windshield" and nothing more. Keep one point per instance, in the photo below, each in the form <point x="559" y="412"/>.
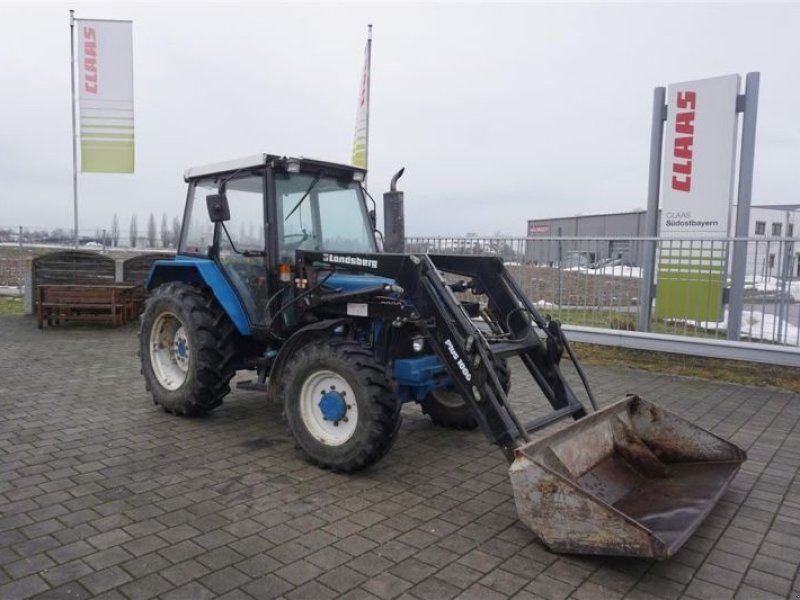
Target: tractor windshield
<point x="332" y="216"/>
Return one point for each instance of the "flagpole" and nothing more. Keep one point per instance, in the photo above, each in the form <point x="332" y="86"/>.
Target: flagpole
<point x="369" y="84"/>
<point x="74" y="133"/>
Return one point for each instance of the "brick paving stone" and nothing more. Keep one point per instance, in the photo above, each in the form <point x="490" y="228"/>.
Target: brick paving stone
<point x="236" y="595"/>
<point x="131" y="502"/>
<point x="480" y="592"/>
<point x="224" y="580"/>
<point x="28" y="566"/>
<point x="395" y="550"/>
<point x="70" y="591"/>
<point x="221" y="557"/>
<point x="592" y="591"/>
<point x="413" y="570"/>
<point x="504" y="582"/>
<point x="355" y="545"/>
<point x="267" y="587"/>
<point x="23" y="588"/>
<point x="386" y="585"/>
<point x="434" y="589"/>
<point x="258" y="565"/>
<point x="328" y="558"/>
<point x="370" y="564"/>
<point x="184" y="572"/>
<point x="106" y="558"/>
<point x="289" y="552"/>
<point x="193" y="590"/>
<point x="299" y="572"/>
<point x="768" y="582"/>
<point x="459" y="575"/>
<point x="704" y="590"/>
<point x="67" y="572"/>
<point x="101" y="581"/>
<point x="144" y="588"/>
<point x="547" y="587"/>
<point x="310" y="590"/>
<point x="342" y="579"/>
<point x="144" y="565"/>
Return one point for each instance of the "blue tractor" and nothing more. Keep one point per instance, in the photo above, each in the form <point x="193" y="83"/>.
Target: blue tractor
<point x="278" y="271"/>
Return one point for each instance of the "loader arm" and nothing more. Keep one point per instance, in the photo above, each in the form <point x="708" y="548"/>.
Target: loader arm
<point x="468" y="354"/>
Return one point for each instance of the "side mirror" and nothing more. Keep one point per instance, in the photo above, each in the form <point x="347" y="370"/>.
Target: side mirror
<point x="218" y="210"/>
<point x="373" y="218"/>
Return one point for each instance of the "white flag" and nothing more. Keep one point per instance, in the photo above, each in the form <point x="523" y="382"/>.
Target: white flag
<point x="105" y="95"/>
<point x="361" y="138"/>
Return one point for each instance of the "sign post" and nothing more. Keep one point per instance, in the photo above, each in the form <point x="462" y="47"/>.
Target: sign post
<point x="651" y="223"/>
<point x="749" y="105"/>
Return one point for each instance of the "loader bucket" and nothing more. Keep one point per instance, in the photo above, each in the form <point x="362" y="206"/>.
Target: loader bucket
<point x="630" y="480"/>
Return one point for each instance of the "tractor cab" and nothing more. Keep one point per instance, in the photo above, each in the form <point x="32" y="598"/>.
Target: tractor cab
<point x="250" y="216"/>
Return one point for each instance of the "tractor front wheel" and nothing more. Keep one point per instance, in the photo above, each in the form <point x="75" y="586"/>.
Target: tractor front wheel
<point x="339" y="404"/>
<point x="186" y="345"/>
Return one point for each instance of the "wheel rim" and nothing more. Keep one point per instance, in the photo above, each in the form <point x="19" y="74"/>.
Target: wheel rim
<point x="169" y="351"/>
<point x="448" y="398"/>
<point x="328" y="407"/>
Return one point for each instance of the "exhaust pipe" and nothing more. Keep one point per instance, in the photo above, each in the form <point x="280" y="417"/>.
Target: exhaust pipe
<point x="394" y="227"/>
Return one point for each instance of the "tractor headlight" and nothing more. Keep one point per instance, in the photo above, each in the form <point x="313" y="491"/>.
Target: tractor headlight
<point x="417" y="344"/>
<point x="292" y="166"/>
<point x="358" y="176"/>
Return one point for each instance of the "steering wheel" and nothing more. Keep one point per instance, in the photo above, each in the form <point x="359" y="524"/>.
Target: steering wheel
<point x="295" y="245"/>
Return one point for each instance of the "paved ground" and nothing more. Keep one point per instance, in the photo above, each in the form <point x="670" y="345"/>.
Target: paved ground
<point x="104" y="495"/>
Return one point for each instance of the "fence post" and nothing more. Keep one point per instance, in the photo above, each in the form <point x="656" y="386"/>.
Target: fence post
<point x="29" y="301"/>
<point x="651" y="221"/>
<point x="20" y="264"/>
<point x="560" y="299"/>
<point x="738" y="273"/>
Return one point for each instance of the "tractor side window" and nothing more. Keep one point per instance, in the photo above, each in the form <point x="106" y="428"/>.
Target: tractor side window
<point x="198" y="231"/>
<point x="246" y="227"/>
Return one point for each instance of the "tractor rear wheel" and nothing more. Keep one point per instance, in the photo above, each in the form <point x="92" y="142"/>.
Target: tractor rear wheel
<point x="339" y="404"/>
<point x="186" y="345"/>
<point x="447" y="408"/>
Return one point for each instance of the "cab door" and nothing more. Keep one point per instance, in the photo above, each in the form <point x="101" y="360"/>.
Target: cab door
<point x="245" y="194"/>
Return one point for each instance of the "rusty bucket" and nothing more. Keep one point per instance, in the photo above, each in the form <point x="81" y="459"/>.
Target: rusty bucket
<point x="631" y="480"/>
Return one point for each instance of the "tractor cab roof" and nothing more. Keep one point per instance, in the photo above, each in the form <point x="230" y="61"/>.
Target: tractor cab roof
<point x="260" y="160"/>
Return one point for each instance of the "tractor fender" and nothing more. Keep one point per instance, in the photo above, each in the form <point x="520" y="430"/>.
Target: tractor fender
<point x="206" y="272"/>
<point x="295" y="341"/>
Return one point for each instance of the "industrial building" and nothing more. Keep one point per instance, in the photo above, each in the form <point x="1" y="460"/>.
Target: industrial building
<point x="612" y="236"/>
<point x="616" y="228"/>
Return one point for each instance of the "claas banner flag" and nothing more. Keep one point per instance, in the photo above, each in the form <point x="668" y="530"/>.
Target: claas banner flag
<point x="361" y="138"/>
<point x="105" y="96"/>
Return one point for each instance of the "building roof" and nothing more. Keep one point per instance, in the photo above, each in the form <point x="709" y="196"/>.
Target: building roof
<point x="778" y="206"/>
<point x="581" y="216"/>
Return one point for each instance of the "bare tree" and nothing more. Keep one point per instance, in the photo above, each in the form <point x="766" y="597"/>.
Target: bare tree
<point x="176" y="230"/>
<point x="133" y="232"/>
<point x="164" y="231"/>
<point x="151" y="231"/>
<point x="115" y="231"/>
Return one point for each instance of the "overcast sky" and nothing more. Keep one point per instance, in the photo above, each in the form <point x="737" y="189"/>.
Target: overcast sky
<point x="499" y="112"/>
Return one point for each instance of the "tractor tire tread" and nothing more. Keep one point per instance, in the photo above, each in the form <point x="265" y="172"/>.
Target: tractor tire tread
<point x="381" y="407"/>
<point x="213" y="349"/>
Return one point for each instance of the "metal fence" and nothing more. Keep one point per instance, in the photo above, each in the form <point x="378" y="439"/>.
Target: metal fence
<point x="598" y="282"/>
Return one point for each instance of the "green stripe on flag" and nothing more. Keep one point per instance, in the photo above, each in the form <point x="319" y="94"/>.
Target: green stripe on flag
<point x="111" y="156"/>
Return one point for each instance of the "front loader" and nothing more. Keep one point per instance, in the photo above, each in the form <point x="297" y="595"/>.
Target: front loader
<point x="278" y="271"/>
